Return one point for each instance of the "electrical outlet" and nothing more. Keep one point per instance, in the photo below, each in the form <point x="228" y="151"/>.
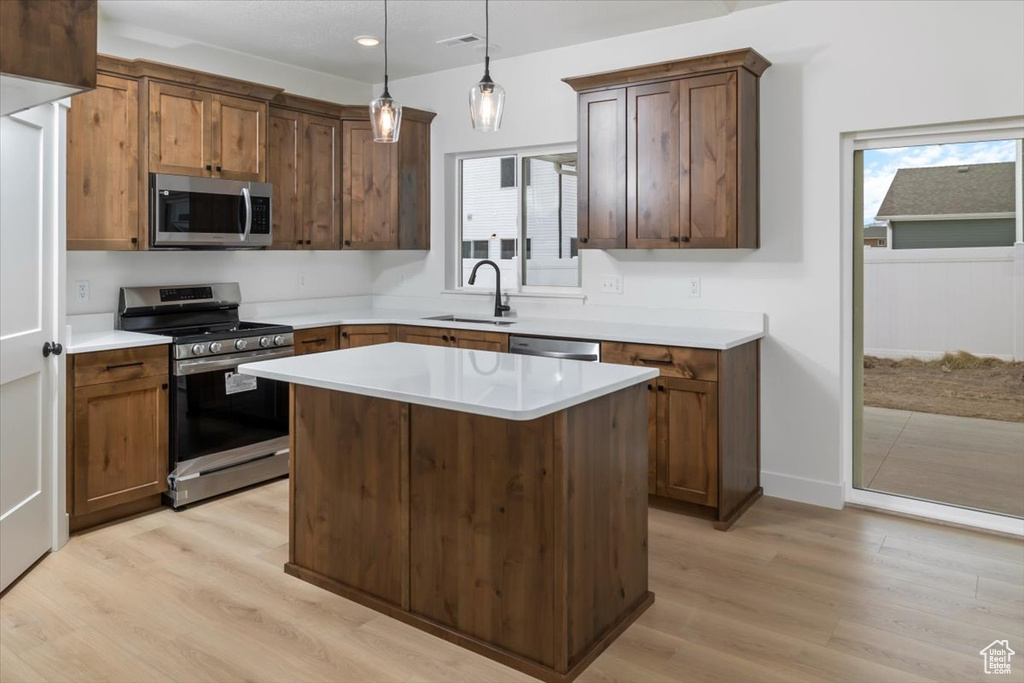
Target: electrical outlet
<point x="302" y="280"/>
<point x="611" y="284"/>
<point x="82" y="290"/>
<point x="694" y="288"/>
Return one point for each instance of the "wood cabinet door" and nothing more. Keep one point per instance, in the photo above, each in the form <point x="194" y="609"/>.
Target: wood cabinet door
<point x="688" y="440"/>
<point x="370" y="189"/>
<point x="120" y="442"/>
<point x="315" y="340"/>
<point x="601" y="182"/>
<point x="103" y="167"/>
<point x="652" y="168"/>
<point x="707" y="150"/>
<point x="414" y="186"/>
<point x="354" y="336"/>
<point x="321" y="179"/>
<point x="239" y="138"/>
<point x="180" y="130"/>
<point x="431" y="336"/>
<point x="283" y="172"/>
<point x="480" y="341"/>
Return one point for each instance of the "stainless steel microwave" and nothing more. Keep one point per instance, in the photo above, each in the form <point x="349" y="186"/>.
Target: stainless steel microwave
<point x="208" y="213"/>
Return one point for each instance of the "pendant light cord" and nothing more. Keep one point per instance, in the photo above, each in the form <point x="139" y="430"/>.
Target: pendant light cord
<point x="385" y="47"/>
<point x="487" y="39"/>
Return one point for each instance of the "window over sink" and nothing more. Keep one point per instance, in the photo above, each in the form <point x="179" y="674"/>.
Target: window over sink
<point x="518" y="209"/>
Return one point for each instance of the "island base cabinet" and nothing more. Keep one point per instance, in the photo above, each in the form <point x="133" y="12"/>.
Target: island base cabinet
<point x="523" y="541"/>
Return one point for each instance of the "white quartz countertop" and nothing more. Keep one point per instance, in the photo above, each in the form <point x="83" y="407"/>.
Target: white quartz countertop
<point x="480" y="382"/>
<point x="108" y="340"/>
<point x="697" y="337"/>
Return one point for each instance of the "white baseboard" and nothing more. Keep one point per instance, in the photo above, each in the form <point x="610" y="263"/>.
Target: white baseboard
<point x="812" y="491"/>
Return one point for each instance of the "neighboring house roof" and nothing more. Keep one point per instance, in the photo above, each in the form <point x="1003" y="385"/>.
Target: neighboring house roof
<point x="876" y="231"/>
<point x="950" y="190"/>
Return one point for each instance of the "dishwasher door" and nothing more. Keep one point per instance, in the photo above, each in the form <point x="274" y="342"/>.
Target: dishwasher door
<point x="566" y="349"/>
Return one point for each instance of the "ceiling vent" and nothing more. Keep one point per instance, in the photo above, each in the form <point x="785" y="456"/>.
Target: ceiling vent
<point x="467" y="39"/>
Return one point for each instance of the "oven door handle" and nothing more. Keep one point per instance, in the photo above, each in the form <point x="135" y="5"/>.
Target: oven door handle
<point x="248" y="213"/>
<point x="199" y="365"/>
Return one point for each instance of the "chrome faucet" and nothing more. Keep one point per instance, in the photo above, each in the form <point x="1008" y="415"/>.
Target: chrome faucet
<point x="499" y="308"/>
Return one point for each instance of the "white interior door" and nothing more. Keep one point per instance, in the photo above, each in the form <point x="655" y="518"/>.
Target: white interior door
<point x="28" y="205"/>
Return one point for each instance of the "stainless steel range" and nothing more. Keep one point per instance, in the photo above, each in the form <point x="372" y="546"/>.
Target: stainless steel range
<point x="228" y="430"/>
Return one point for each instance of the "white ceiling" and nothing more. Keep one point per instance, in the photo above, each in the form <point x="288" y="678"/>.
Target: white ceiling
<point x="318" y="34"/>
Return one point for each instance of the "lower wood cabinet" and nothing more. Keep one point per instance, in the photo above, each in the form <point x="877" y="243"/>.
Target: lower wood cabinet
<point x="703" y="426"/>
<point x="319" y="339"/>
<point x="316" y="340"/>
<point x="118" y="403"/>
<point x="462" y="339"/>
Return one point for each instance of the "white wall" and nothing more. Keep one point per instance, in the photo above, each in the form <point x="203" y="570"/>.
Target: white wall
<point x="264" y="276"/>
<point x="925" y="302"/>
<point x="838" y="66"/>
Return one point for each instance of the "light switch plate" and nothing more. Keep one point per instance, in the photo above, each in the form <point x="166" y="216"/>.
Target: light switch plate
<point x="611" y="284"/>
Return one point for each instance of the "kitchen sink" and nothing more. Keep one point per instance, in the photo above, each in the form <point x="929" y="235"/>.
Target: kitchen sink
<point x="478" y="321"/>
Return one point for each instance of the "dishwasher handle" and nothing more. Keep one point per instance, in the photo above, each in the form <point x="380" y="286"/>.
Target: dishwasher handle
<point x="563" y="355"/>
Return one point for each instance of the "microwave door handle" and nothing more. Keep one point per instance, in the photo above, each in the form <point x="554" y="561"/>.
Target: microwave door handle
<point x="248" y="214"/>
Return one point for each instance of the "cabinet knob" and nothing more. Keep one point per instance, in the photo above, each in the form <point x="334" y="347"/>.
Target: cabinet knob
<point x="209" y="167"/>
<point x="218" y="168"/>
<point x="309" y="241"/>
<point x="135" y="240"/>
<point x="164" y="386"/>
<point x="348" y="243"/>
<point x="673" y="238"/>
<point x="684" y="238"/>
<point x="298" y="241"/>
<point x="453" y="340"/>
<point x="650" y="387"/>
<point x="344" y="335"/>
<point x="444" y="337"/>
<point x="661" y="387"/>
<point x="584" y="239"/>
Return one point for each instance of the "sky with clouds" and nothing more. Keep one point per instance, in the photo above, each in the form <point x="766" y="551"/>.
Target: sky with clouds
<point x="880" y="165"/>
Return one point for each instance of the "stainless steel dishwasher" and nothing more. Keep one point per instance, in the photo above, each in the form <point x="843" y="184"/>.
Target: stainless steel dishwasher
<point x="566" y="349"/>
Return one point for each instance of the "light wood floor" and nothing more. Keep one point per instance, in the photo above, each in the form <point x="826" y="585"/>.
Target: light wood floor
<point x="958" y="460"/>
<point x="792" y="593"/>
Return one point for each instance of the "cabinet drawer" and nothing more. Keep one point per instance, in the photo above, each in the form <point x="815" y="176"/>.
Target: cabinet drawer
<point x="122" y="364"/>
<point x="672" y="361"/>
<point x="316" y="340"/>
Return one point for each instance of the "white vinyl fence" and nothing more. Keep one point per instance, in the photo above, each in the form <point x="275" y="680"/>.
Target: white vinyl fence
<point x="925" y="302"/>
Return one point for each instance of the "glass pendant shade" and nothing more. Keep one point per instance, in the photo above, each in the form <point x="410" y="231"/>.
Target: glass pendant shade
<point x="486" y="104"/>
<point x="385" y="118"/>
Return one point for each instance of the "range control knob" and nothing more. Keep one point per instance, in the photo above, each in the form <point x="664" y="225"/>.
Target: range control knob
<point x="240" y="344"/>
<point x="215" y="347"/>
<point x="264" y="342"/>
<point x="278" y="340"/>
<point x="198" y="349"/>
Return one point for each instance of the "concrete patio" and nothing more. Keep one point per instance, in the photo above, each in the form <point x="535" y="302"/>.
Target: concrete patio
<point x="958" y="460"/>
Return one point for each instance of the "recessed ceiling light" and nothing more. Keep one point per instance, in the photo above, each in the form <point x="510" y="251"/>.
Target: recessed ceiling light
<point x="368" y="41"/>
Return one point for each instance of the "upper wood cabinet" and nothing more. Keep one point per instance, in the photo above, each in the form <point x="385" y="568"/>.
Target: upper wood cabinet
<point x="668" y="154"/>
<point x="386" y="187"/>
<point x="370" y="182"/>
<point x="49" y="47"/>
<point x="103" y="166"/>
<point x="305" y="170"/>
<point x="201" y="133"/>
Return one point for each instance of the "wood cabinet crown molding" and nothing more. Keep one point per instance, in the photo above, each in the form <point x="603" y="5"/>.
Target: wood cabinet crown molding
<point x="747" y="58"/>
<point x="310" y="105"/>
<point x="143" y="68"/>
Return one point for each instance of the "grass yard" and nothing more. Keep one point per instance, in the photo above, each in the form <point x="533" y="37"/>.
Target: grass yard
<point x="958" y="384"/>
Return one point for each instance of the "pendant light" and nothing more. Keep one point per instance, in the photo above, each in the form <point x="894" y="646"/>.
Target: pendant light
<point x="385" y="113"/>
<point x="486" y="98"/>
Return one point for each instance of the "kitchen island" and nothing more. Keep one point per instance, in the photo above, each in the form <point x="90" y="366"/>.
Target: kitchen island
<point x="494" y="500"/>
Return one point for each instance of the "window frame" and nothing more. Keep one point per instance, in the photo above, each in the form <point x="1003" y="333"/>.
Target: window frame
<point x="455" y="216"/>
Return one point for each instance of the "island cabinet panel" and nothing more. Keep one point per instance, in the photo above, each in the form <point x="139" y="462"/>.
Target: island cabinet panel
<point x="688" y="444"/>
<point x="354" y="336"/>
<point x="350" y="502"/>
<point x="315" y="340"/>
<point x="482" y="497"/>
<point x="601" y="196"/>
<point x="370" y="187"/>
<point x="103" y="166"/>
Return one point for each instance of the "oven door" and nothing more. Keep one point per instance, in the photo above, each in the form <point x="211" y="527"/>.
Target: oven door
<point x="188" y="212"/>
<point x="220" y="418"/>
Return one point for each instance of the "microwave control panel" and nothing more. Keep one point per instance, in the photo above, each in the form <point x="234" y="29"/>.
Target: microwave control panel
<point x="260" y="216"/>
